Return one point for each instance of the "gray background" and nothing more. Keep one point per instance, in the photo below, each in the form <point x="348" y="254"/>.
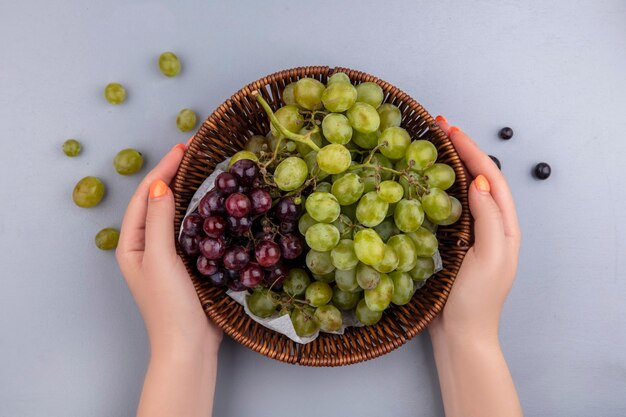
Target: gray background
<point x="71" y="340"/>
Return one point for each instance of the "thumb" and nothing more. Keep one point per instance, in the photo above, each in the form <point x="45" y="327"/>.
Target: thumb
<point x="160" y="220"/>
<point x="488" y="226"/>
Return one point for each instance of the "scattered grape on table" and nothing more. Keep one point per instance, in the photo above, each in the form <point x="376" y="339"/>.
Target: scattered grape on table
<point x="334" y="209"/>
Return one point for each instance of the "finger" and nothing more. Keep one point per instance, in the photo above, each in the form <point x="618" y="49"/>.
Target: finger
<point x="132" y="236"/>
<point x="160" y="222"/>
<point x="488" y="224"/>
<point x="477" y="162"/>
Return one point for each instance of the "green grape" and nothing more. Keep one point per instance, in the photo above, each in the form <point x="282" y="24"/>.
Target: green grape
<point x="242" y="155"/>
<point x="390" y="116"/>
<point x="303" y="148"/>
<point x="71" y="147"/>
<point x="390" y="191"/>
<point x="348" y="189"/>
<point x="304" y="322"/>
<point x="305" y="222"/>
<point x="338" y="77"/>
<point x="349" y="211"/>
<point x="365" y="140"/>
<point x="400" y="165"/>
<point x="389" y="262"/>
<point x="107" y="239"/>
<point x="387" y="229"/>
<point x="440" y="176"/>
<point x="346" y="280"/>
<point x="289" y="97"/>
<point x="128" y="161"/>
<point x="391" y="210"/>
<point x="370" y="93"/>
<point x="405" y="249"/>
<point x="367" y="316"/>
<point x="329" y="318"/>
<point x="186" y="120"/>
<point x="394" y="142"/>
<point x="272" y="141"/>
<point x="379" y="298"/>
<point x="455" y="212"/>
<point x="323" y="207"/>
<point x="296" y="282"/>
<point x="319" y="263"/>
<point x="308" y="93"/>
<point x="290" y="118"/>
<point x="318" y="293"/>
<point x="115" y="93"/>
<point x="408" y="215"/>
<point x="369" y="180"/>
<point x="402" y="288"/>
<point x="336" y="128"/>
<point x="424" y="269"/>
<point x="290" y="173"/>
<point x="334" y="158"/>
<point x="339" y="97"/>
<point x="322" y="237"/>
<point x="314" y="169"/>
<point x="343" y="256"/>
<point x="327" y="278"/>
<point x="169" y="64"/>
<point x="371" y="210"/>
<point x="436" y="204"/>
<point x="381" y="160"/>
<point x="369" y="247"/>
<point x="290" y="146"/>
<point x="367" y="277"/>
<point x="88" y="192"/>
<point x="345" y="300"/>
<point x="425" y="243"/>
<point x="415" y="177"/>
<point x="363" y="117"/>
<point x="256" y="144"/>
<point x="344" y="225"/>
<point x="262" y="302"/>
<point x="421" y="154"/>
<point x="429" y="225"/>
<point x="323" y="187"/>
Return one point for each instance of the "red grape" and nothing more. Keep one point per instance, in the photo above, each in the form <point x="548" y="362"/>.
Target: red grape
<point x="287" y="226"/>
<point x="261" y="201"/>
<point x="206" y="266"/>
<point x="286" y="209"/>
<point x="251" y="275"/>
<point x="238" y="205"/>
<point x="226" y="183"/>
<point x="290" y="245"/>
<point x="212" y="248"/>
<point x="245" y="171"/>
<point x="235" y="284"/>
<point x="239" y="226"/>
<point x="212" y="202"/>
<point x="218" y="279"/>
<point x="275" y="276"/>
<point x="214" y="226"/>
<point x="189" y="244"/>
<point x="236" y="257"/>
<point x="192" y="224"/>
<point x="267" y="253"/>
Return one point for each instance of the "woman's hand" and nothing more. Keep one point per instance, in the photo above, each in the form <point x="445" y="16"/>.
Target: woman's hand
<point x="183" y="342"/>
<point x="473" y="374"/>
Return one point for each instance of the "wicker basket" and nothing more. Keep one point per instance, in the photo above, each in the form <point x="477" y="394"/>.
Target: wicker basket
<point x="224" y="133"/>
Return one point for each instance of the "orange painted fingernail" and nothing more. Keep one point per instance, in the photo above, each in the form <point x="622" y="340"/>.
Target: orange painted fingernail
<point x="482" y="184"/>
<point x="158" y="189"/>
<point x="440" y="119"/>
<point x="454" y="129"/>
<point x="189" y="141"/>
<point x="180" y="146"/>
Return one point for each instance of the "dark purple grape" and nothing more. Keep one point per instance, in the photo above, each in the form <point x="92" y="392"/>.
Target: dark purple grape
<point x="239" y="226"/>
<point x="267" y="253"/>
<point x="542" y="170"/>
<point x="236" y="285"/>
<point x="505" y="133"/>
<point x="211" y="203"/>
<point x="286" y="209"/>
<point x="496" y="161"/>
<point x="257" y="182"/>
<point x="189" y="244"/>
<point x="262" y="235"/>
<point x="206" y="266"/>
<point x="245" y="171"/>
<point x="251" y="275"/>
<point x="290" y="246"/>
<point x="212" y="248"/>
<point x="192" y="224"/>
<point x="261" y="201"/>
<point x="238" y="205"/>
<point x="275" y="276"/>
<point x="226" y="183"/>
<point x="236" y="257"/>
<point x="287" y="227"/>
<point x="219" y="279"/>
<point x="243" y="189"/>
<point x="214" y="226"/>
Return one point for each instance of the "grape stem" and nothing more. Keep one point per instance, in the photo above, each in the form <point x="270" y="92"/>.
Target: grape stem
<point x="305" y="139"/>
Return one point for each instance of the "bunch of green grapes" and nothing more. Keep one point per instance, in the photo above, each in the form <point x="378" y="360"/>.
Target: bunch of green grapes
<point x="372" y="198"/>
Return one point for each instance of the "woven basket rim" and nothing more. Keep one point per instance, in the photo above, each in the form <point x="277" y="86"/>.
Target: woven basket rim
<point x="243" y="329"/>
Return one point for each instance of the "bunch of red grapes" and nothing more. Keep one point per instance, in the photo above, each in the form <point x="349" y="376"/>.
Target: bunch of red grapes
<point x="239" y="239"/>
